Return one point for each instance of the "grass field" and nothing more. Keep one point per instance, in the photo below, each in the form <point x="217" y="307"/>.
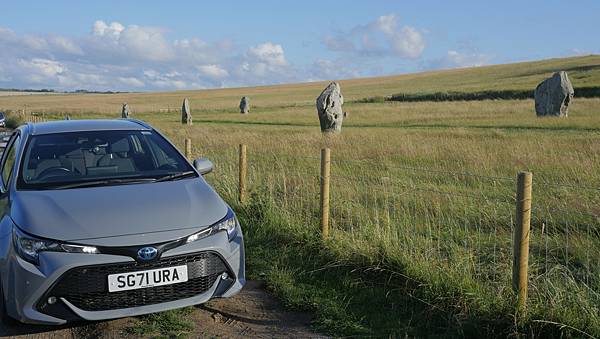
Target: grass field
<point x="422" y="197"/>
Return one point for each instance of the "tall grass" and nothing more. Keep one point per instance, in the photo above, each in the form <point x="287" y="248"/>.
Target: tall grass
<point x="422" y="197"/>
<point x="450" y="232"/>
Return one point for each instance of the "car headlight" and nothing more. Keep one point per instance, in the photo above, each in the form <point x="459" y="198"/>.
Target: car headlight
<point x="228" y="224"/>
<point x="29" y="247"/>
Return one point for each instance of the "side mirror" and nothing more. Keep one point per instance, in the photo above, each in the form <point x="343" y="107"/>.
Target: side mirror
<point x="203" y="165"/>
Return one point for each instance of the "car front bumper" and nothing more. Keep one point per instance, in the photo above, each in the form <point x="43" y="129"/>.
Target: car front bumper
<point x="29" y="286"/>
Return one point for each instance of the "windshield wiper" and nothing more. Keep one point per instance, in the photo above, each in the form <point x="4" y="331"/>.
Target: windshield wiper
<point x="176" y="176"/>
<point x="104" y="182"/>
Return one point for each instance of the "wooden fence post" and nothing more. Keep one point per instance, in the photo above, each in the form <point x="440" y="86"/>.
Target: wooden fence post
<point x="243" y="169"/>
<point x="521" y="240"/>
<point x="325" y="171"/>
<point x="188" y="149"/>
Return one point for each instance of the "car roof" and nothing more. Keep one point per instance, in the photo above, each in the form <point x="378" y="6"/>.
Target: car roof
<point x="62" y="126"/>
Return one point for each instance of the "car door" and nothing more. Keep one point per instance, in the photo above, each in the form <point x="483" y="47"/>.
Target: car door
<point x="7" y="168"/>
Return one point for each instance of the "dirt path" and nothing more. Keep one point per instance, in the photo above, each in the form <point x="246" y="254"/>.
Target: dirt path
<point x="253" y="313"/>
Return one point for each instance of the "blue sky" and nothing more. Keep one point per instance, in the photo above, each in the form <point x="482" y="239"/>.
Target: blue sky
<point x="152" y="45"/>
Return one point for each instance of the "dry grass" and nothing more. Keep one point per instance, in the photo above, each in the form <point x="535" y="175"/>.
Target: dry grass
<point x="400" y="194"/>
<point x="21" y="93"/>
<point x="583" y="71"/>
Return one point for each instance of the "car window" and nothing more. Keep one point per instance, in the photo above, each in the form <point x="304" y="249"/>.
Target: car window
<point x="9" y="160"/>
<point x="162" y="158"/>
<point x="64" y="158"/>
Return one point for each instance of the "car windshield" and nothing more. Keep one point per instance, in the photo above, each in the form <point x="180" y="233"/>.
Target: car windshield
<point x="99" y="158"/>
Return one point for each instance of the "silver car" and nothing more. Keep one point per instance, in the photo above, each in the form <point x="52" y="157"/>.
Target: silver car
<point x="104" y="219"/>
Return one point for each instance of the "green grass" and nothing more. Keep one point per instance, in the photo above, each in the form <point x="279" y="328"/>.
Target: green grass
<point x="422" y="198"/>
<point x="13" y="120"/>
<point x="357" y="293"/>
<point x="170" y="324"/>
<point x="348" y="297"/>
<point x="392" y="167"/>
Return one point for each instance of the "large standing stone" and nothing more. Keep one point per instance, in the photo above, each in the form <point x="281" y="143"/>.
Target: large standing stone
<point x="125" y="111"/>
<point x="553" y="96"/>
<point x="245" y="105"/>
<point x="329" y="108"/>
<point x="186" y="114"/>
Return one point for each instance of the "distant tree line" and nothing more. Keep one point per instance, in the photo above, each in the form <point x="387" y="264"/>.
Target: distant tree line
<point x="581" y="92"/>
<point x="43" y="90"/>
<point x="46" y="90"/>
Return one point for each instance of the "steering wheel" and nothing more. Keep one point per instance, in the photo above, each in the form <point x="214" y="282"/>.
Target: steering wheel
<point x="53" y="172"/>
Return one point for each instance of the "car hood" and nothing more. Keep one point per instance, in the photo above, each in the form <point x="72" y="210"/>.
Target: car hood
<point x="149" y="209"/>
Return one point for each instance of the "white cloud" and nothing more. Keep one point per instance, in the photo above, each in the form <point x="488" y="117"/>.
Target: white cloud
<point x="114" y="41"/>
<point x="173" y="84"/>
<point x="3" y="76"/>
<point x="261" y="64"/>
<point x="268" y="53"/>
<point x="169" y="80"/>
<point x="407" y="43"/>
<point x="131" y="81"/>
<point x="213" y="71"/>
<point x="43" y="67"/>
<point x="579" y="52"/>
<point x="65" y="45"/>
<point x="456" y="59"/>
<point x="102" y="29"/>
<point x="34" y="42"/>
<point x="122" y="57"/>
<point x="386" y="24"/>
<point x="381" y="37"/>
<point x="323" y="69"/>
<point x="114" y="56"/>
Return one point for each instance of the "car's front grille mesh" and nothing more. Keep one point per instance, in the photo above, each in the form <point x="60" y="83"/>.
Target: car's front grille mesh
<point x="87" y="287"/>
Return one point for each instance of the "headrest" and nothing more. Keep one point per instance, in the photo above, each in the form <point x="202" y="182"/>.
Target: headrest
<point x="120" y="146"/>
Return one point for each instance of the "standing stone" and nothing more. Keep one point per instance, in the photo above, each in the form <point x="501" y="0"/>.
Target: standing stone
<point x="329" y="108"/>
<point x="125" y="111"/>
<point x="553" y="96"/>
<point x="186" y="114"/>
<point x="245" y="105"/>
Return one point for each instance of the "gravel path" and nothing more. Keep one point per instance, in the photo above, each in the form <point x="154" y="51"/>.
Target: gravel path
<point x="253" y="313"/>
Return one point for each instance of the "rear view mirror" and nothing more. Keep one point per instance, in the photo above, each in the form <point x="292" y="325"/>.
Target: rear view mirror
<point x="203" y="165"/>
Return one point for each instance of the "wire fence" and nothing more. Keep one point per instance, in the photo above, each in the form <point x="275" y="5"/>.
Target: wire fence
<point x="439" y="225"/>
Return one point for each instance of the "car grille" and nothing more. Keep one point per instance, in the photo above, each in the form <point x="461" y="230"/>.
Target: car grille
<point x="87" y="287"/>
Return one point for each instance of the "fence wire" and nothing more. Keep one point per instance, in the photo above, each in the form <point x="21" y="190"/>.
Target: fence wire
<point x="441" y="224"/>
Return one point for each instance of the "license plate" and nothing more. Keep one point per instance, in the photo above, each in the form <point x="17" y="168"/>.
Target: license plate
<point x="149" y="278"/>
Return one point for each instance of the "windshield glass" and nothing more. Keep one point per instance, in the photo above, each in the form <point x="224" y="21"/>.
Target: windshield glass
<point x="106" y="157"/>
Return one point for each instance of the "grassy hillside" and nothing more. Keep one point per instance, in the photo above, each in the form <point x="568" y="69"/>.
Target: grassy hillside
<point x="422" y="197"/>
<point x="583" y="72"/>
